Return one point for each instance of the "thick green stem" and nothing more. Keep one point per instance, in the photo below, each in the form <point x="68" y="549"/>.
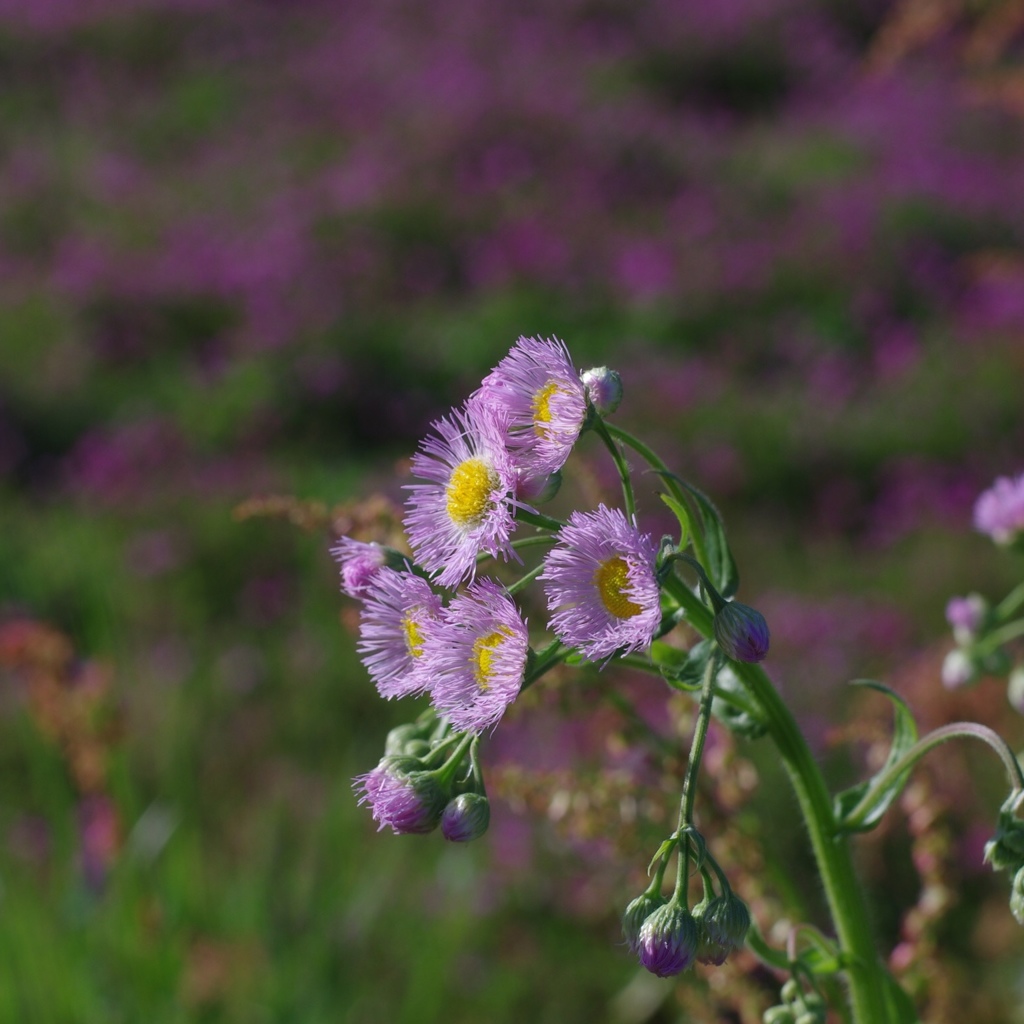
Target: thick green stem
<point x="867" y="976"/>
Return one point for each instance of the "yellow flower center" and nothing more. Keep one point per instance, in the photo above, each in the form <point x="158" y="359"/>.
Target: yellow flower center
<point x="611" y="578"/>
<point x="542" y="407"/>
<point x="469" y="492"/>
<point x="413" y="635"/>
<point x="482" y="657"/>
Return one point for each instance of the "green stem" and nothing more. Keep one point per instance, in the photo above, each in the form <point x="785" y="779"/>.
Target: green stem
<point x="514" y="588"/>
<point x="866" y="976"/>
<point x="700" y="732"/>
<point x="601" y="428"/>
<point x="538" y="519"/>
<point x="652" y="458"/>
<point x="1009" y="604"/>
<point x="955" y="730"/>
<point x="552" y="655"/>
<point x="998" y="637"/>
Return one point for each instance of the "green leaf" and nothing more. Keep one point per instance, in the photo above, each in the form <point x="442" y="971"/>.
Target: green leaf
<point x="737" y="719"/>
<point x="663" y="851"/>
<point x="682" y="670"/>
<point x="682" y="513"/>
<point x="900" y="1005"/>
<point x="904" y="736"/>
<point x="707" y="523"/>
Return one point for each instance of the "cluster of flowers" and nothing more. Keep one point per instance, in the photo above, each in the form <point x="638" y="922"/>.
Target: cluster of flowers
<point x="984" y="633"/>
<point x="431" y="625"/>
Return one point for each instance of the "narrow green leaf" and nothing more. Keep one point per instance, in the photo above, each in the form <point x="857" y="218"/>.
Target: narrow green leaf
<point x="904" y="736"/>
<point x="721" y="566"/>
<point x="663" y="851"/>
<point x="682" y="513"/>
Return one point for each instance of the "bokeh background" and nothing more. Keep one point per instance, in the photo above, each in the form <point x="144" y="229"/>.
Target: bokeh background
<point x="251" y="248"/>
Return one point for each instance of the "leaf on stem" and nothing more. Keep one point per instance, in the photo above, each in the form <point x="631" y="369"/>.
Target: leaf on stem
<point x="705" y="523"/>
<point x="904" y="736"/>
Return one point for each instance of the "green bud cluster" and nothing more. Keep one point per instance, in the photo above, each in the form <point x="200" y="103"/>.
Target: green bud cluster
<point x="797" y="1007"/>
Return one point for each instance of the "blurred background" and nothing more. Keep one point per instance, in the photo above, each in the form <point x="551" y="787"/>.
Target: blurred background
<point x="249" y="249"/>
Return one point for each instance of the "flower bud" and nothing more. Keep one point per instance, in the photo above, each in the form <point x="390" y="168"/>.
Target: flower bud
<point x="967" y="616"/>
<point x="958" y="669"/>
<point x="722" y="925"/>
<point x="668" y="940"/>
<point x="400" y="738"/>
<point x="741" y="632"/>
<point x="778" y="1015"/>
<point x="636" y="913"/>
<point x="359" y="563"/>
<point x="466" y="817"/>
<point x="1005" y="850"/>
<point x="603" y="387"/>
<point x="402" y="795"/>
<point x="1015" y="689"/>
<point x="538" y="489"/>
<point x="1017" y="897"/>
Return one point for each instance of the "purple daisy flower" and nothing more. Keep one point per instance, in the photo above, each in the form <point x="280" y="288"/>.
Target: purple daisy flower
<point x="540" y="392"/>
<point x="477" y="657"/>
<point x="401" y="795"/>
<point x="359" y="563"/>
<point x="601" y="584"/>
<point x="999" y="511"/>
<point x="467" y="506"/>
<point x="397" y="613"/>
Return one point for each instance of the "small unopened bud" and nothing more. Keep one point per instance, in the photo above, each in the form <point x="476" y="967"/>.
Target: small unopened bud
<point x="778" y="1015"/>
<point x="1005" y="850"/>
<point x="402" y="795"/>
<point x="722" y="925"/>
<point x="359" y="563"/>
<point x="966" y="615"/>
<point x="1017" y="897"/>
<point x="1015" y="689"/>
<point x="668" y="940"/>
<point x="538" y="489"/>
<point x="636" y="913"/>
<point x="604" y="389"/>
<point x="958" y="669"/>
<point x="466" y="817"/>
<point x="741" y="632"/>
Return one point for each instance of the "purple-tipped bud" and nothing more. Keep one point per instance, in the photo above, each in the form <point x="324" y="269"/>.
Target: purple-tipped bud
<point x="722" y="925"/>
<point x="958" y="669"/>
<point x="466" y="817"/>
<point x="538" y="489"/>
<point x="604" y="389"/>
<point x="1017" y="897"/>
<point x="668" y="940"/>
<point x="741" y="632"/>
<point x="359" y="563"/>
<point x="999" y="511"/>
<point x="636" y="913"/>
<point x="401" y="795"/>
<point x="966" y="615"/>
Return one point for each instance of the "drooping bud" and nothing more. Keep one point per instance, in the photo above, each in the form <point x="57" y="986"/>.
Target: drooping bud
<point x="958" y="669"/>
<point x="668" y="940"/>
<point x="722" y="925"/>
<point x="1005" y="850"/>
<point x="604" y="389"/>
<point x="1017" y="897"/>
<point x="1015" y="689"/>
<point x="966" y="615"/>
<point x="538" y="489"/>
<point x="741" y="632"/>
<point x="466" y="817"/>
<point x="636" y="913"/>
<point x="402" y="795"/>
